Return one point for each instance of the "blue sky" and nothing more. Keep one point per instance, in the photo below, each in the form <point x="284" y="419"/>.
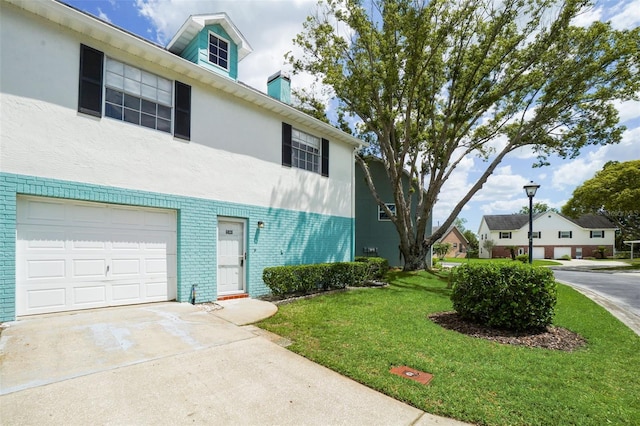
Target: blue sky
<point x="270" y="26"/>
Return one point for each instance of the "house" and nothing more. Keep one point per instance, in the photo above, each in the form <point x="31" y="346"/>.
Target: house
<point x="554" y="235"/>
<point x="459" y="243"/>
<point x="134" y="173"/>
<point x="376" y="235"/>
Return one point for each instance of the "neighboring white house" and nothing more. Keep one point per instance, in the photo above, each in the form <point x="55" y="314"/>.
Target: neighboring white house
<point x="133" y="173"/>
<point x="554" y="235"/>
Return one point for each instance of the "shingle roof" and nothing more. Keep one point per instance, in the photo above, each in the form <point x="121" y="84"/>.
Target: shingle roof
<point x="501" y="222"/>
<point x="509" y="222"/>
<point x="593" y="221"/>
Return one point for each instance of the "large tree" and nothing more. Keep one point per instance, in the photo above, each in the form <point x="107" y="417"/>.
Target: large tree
<point x="433" y="82"/>
<point x="538" y="207"/>
<point x="613" y="192"/>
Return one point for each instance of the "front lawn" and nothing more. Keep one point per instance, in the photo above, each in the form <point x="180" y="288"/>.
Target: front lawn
<point x="363" y="333"/>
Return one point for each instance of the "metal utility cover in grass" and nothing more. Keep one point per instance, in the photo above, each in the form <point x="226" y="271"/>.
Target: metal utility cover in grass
<point x="410" y="373"/>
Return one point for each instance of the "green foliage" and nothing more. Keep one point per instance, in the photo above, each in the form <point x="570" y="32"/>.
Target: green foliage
<point x="434" y="83"/>
<point x="441" y="249"/>
<point x="377" y="267"/>
<point x="472" y="239"/>
<point x="524" y="258"/>
<point x="305" y="279"/>
<point x="566" y="257"/>
<point x="614" y="193"/>
<point x="538" y="207"/>
<point x="511" y="296"/>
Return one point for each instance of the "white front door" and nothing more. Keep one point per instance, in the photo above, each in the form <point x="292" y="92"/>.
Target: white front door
<point x="231" y="256"/>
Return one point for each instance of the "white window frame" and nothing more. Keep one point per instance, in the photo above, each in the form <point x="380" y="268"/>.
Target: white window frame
<point x="597" y="234"/>
<point x="507" y="237"/>
<point x="565" y="234"/>
<point x="382" y="215"/>
<point x="158" y="95"/>
<point x="219" y="37"/>
<point x="306" y="151"/>
<point x="536" y="234"/>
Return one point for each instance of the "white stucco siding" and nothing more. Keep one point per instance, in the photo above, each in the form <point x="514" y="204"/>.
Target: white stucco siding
<point x="234" y="154"/>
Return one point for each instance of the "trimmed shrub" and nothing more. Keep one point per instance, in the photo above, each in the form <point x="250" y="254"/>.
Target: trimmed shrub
<point x="524" y="258"/>
<point x="511" y="296"/>
<point x="305" y="279"/>
<point x="377" y="266"/>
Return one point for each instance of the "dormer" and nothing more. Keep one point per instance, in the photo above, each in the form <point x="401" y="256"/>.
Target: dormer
<point x="211" y="41"/>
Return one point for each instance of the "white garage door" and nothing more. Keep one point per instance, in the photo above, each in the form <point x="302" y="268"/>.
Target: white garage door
<point x="558" y="252"/>
<point x="538" y="252"/>
<point x="76" y="255"/>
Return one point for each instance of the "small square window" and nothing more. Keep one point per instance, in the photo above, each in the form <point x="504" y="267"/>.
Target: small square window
<point x="505" y="235"/>
<point x="382" y="215"/>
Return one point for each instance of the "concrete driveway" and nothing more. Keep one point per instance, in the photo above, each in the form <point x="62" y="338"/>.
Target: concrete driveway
<point x="174" y="363"/>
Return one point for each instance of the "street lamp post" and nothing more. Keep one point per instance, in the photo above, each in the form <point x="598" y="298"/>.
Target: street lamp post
<point x="531" y="189"/>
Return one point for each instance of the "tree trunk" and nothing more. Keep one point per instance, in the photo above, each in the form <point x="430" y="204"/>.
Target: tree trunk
<point x="417" y="257"/>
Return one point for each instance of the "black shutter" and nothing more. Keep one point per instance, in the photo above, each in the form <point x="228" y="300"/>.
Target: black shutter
<point x="325" y="158"/>
<point x="286" y="144"/>
<point x="590" y="234"/>
<point x="559" y="234"/>
<point x="570" y="234"/>
<point x="182" y="101"/>
<point x="90" y="88"/>
<point x="603" y="233"/>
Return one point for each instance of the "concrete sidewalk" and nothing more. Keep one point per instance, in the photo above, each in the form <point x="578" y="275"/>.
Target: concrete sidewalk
<point x="173" y="363"/>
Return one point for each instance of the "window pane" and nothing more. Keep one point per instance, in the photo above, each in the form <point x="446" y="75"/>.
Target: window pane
<point x="113" y="111"/>
<point x="114" y="80"/>
<point x="115" y="67"/>
<point x="164" y="112"/>
<point x="164" y="97"/>
<point x="148" y="107"/>
<point x="132" y="86"/>
<point x="131" y="116"/>
<point x="131" y="102"/>
<point x="114" y="97"/>
<point x="149" y="92"/>
<point x="148" y="121"/>
<point x="164" y="85"/>
<point x="149" y="79"/>
<point x="132" y="73"/>
<point x="164" y="125"/>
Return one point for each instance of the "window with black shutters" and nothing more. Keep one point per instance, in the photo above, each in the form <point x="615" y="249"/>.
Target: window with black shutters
<point x="304" y="151"/>
<point x="182" y="126"/>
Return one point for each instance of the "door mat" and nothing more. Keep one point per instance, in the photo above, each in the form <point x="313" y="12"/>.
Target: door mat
<point x="410" y="373"/>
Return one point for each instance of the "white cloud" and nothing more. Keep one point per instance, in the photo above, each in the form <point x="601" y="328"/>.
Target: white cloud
<point x="628" y="17"/>
<point x="628" y="110"/>
<point x="587" y="17"/>
<point x="103" y="16"/>
<point x="575" y="172"/>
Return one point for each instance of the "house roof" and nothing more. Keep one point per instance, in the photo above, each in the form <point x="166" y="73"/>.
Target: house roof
<point x="195" y="23"/>
<point x="509" y="222"/>
<point x="92" y="27"/>
<point x="502" y="222"/>
<point x="449" y="230"/>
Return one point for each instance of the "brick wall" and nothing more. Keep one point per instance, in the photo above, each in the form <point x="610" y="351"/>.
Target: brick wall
<point x="289" y="237"/>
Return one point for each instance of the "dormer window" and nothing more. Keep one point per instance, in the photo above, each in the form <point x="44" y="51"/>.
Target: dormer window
<point x="218" y="51"/>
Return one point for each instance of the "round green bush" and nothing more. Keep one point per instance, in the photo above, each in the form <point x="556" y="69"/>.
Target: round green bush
<point x="513" y="296"/>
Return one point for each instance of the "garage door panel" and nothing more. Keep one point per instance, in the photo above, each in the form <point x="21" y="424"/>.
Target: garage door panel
<point x="88" y="215"/>
<point x="87" y="240"/>
<point x="90" y="255"/>
<point x="46" y="300"/>
<point x="122" y="292"/>
<point x="127" y="217"/>
<point x="95" y="295"/>
<point x="45" y="269"/>
<point x="89" y="268"/>
<point x="42" y="212"/>
<point x="123" y="267"/>
<point x="44" y="238"/>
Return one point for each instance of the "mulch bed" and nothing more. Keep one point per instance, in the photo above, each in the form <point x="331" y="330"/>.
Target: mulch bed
<point x="556" y="338"/>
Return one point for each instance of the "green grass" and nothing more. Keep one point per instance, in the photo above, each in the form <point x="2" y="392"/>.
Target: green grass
<point x="363" y="333"/>
<point x="632" y="265"/>
<point x="536" y="262"/>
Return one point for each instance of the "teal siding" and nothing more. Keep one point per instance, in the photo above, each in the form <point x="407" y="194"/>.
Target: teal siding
<point x="192" y="51"/>
<point x="289" y="237"/>
<point x="370" y="232"/>
<point x="200" y="47"/>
